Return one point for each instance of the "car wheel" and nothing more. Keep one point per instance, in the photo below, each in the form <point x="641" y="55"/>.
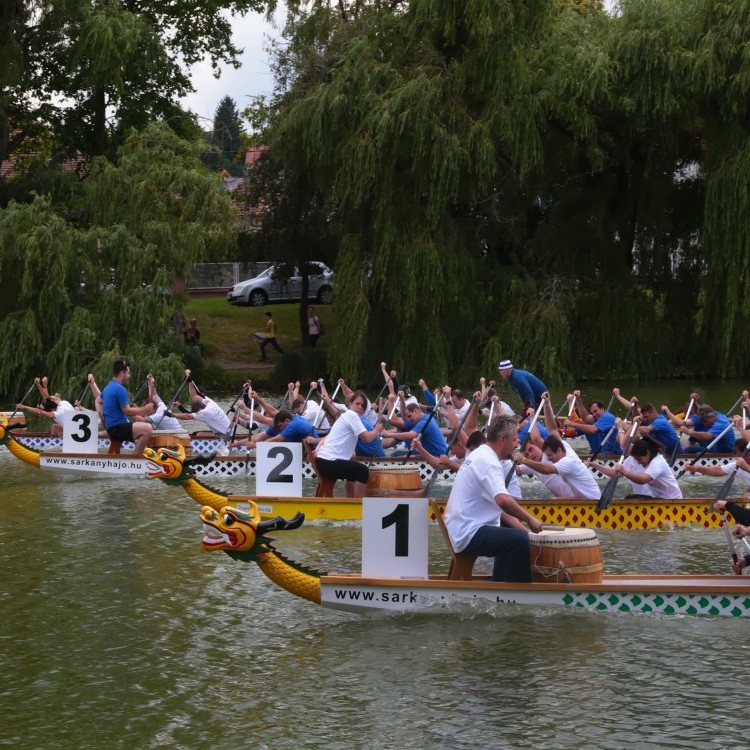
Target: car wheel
<point x="257" y="298"/>
<point x="325" y="295"/>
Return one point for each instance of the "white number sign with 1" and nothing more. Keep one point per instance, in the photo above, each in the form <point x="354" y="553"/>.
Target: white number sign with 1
<point x="394" y="537"/>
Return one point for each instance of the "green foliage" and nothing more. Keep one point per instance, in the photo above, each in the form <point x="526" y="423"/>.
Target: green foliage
<point x="95" y="273"/>
<point x="539" y="180"/>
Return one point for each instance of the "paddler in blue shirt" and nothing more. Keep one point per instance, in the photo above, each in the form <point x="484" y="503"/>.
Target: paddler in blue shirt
<point x="704" y="427"/>
<point x="596" y="423"/>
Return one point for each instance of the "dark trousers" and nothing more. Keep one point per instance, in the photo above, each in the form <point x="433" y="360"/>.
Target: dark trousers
<point x="273" y="343"/>
<point x="509" y="547"/>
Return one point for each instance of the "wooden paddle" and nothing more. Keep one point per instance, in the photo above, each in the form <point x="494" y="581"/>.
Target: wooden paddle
<point x="138" y="393"/>
<point x="174" y="398"/>
<point x="611" y="429"/>
<point x="22" y="401"/>
<point x="525" y="442"/>
<point x="433" y="411"/>
<point x="79" y="401"/>
<point x="730" y="542"/>
<point x="451" y="443"/>
<point x="609" y="491"/>
<point x="727" y="486"/>
<point x="700" y="455"/>
<point x="678" y="444"/>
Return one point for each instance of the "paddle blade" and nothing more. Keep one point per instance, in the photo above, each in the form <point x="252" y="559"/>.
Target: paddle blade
<point x="608" y="493"/>
<point x="673" y="453"/>
<point x="725" y="488"/>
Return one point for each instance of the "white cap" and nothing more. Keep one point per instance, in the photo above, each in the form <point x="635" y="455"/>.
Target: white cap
<point x="505" y="364"/>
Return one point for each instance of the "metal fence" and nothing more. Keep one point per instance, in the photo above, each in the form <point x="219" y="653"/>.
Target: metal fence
<point x="222" y="275"/>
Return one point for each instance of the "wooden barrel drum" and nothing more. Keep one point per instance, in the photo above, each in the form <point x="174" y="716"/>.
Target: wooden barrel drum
<point x="566" y="555"/>
<point x="167" y="439"/>
<point x="392" y="480"/>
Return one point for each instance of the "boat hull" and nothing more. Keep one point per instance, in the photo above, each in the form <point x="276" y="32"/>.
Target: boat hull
<point x="623" y="515"/>
<point x="244" y="463"/>
<point x="678" y="595"/>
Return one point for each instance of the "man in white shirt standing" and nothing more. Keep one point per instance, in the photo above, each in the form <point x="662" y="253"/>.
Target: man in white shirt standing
<point x="481" y="517"/>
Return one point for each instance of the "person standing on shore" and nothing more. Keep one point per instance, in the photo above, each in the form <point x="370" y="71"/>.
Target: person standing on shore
<point x="314" y="326"/>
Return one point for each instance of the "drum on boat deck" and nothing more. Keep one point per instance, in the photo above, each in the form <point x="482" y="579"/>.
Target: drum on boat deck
<point x="395" y="480"/>
<point x="169" y="439"/>
<point x="566" y="555"/>
<point x="19" y="419"/>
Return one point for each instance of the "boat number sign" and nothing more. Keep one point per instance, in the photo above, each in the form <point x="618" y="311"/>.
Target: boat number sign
<point x="81" y="432"/>
<point x="394" y="537"/>
<point x="278" y="469"/>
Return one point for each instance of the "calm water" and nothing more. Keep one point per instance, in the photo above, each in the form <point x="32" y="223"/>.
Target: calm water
<point x="119" y="631"/>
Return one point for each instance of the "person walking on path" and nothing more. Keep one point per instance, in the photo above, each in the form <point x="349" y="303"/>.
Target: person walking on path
<point x="270" y="337"/>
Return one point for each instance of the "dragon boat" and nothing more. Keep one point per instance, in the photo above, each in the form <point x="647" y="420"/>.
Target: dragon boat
<point x="242" y="462"/>
<point x="174" y="468"/>
<point x="244" y="537"/>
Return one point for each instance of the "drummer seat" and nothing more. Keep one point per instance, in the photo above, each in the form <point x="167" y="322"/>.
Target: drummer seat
<point x="461" y="567"/>
<point x="325" y="486"/>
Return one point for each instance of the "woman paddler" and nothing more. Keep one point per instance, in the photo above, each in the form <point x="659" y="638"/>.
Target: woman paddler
<point x="333" y="454"/>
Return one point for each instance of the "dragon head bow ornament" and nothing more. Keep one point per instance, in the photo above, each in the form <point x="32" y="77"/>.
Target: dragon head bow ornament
<point x="242" y="535"/>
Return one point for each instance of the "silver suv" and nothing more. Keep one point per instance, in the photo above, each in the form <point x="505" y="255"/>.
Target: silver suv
<point x="266" y="287"/>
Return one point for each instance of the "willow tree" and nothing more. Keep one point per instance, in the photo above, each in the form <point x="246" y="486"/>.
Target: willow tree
<point x="421" y="110"/>
<point x="722" y="38"/>
<point x="540" y="180"/>
<point x="93" y="276"/>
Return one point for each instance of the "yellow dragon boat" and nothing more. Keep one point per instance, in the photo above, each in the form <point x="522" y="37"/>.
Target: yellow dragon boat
<point x="173" y="468"/>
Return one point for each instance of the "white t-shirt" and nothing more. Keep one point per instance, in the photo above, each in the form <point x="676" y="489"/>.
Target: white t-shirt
<point x="342" y="439"/>
<point x="214" y="417"/>
<point x="170" y="424"/>
<point x="553" y="482"/>
<point x="63" y="408"/>
<point x="663" y="483"/>
<point x="314" y="417"/>
<point x="472" y="500"/>
<point x="514" y="488"/>
<point x="577" y="476"/>
<point x="500" y="408"/>
<point x="741" y="473"/>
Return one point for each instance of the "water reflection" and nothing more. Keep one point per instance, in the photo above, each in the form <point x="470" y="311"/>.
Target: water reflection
<point x="118" y="631"/>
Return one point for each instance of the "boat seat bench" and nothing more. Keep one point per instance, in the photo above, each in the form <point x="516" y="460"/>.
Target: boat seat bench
<point x="461" y="567"/>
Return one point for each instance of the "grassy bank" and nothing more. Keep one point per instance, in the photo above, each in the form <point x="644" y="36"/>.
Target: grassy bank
<point x="231" y="352"/>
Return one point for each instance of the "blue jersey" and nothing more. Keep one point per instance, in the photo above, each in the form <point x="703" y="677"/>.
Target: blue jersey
<point x="725" y="445"/>
<point x="663" y="431"/>
<point x="524" y="431"/>
<point x="373" y="448"/>
<point x="604" y="424"/>
<point x="114" y="397"/>
<point x="296" y="430"/>
<point x="528" y="387"/>
<point x="429" y="435"/>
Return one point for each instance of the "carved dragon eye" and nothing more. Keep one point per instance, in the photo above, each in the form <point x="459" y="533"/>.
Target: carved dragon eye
<point x="227" y="520"/>
<point x="163" y="456"/>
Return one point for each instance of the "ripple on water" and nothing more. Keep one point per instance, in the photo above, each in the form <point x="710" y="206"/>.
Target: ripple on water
<point x="118" y="630"/>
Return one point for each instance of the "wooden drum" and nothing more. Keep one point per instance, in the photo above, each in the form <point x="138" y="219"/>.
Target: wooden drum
<point x="566" y="555"/>
<point x="392" y="480"/>
<point x="168" y="439"/>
